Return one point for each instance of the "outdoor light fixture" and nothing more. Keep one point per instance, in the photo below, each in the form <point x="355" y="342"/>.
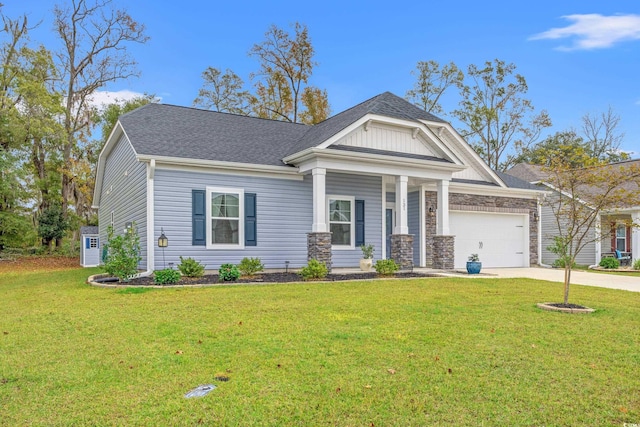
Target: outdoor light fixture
<point x="431" y="211"/>
<point x="163" y="242"/>
<point x="536" y="217"/>
<point x="286" y="266"/>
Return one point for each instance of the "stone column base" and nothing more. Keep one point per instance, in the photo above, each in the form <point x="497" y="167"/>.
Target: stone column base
<point x="319" y="248"/>
<point x="402" y="250"/>
<point x="443" y="253"/>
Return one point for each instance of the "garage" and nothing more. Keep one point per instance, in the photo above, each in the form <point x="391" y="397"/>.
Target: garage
<point x="501" y="240"/>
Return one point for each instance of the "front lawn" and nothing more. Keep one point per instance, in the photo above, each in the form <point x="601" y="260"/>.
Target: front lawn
<point x="372" y="353"/>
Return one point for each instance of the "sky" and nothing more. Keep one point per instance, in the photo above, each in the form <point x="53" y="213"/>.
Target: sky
<point x="577" y="57"/>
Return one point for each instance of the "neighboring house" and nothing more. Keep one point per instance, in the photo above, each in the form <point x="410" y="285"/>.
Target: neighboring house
<point x="617" y="234"/>
<point x="222" y="187"/>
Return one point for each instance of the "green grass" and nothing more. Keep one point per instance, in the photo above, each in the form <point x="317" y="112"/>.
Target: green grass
<point x="384" y="353"/>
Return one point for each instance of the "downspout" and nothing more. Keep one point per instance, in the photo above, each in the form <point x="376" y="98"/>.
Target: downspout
<point x="151" y="171"/>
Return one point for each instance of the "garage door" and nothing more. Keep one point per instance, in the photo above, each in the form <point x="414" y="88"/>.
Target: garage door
<point x="501" y="240"/>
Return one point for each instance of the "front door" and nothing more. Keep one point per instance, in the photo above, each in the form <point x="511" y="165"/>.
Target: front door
<point x="389" y="228"/>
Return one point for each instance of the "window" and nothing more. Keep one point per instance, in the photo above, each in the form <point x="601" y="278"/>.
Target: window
<point x="341" y="217"/>
<point x="225" y="213"/>
<point x="621" y="237"/>
<point x="93" y="242"/>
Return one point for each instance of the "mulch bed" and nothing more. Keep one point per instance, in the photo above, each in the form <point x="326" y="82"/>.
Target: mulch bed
<point x="211" y="279"/>
<point x="563" y="305"/>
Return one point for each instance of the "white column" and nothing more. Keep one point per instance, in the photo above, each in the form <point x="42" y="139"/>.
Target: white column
<point x="402" y="224"/>
<point x="635" y="235"/>
<point x="319" y="200"/>
<point x="598" y="242"/>
<point x="423" y="227"/>
<point x="443" y="208"/>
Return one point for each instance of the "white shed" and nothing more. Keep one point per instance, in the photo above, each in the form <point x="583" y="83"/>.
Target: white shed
<point x="89" y="246"/>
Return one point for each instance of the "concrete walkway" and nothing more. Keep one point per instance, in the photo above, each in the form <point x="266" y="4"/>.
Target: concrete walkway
<point x="612" y="281"/>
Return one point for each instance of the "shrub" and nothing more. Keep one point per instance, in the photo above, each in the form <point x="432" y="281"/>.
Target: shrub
<point x="122" y="254"/>
<point x="386" y="266"/>
<point x="314" y="270"/>
<point x="190" y="267"/>
<point x="228" y="272"/>
<point x="250" y="266"/>
<point x="167" y="276"/>
<point x="636" y="264"/>
<point x="561" y="263"/>
<point x="609" y="262"/>
<point x="367" y="251"/>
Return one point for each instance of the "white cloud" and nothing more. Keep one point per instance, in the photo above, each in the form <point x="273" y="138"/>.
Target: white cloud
<point x="594" y="31"/>
<point x="103" y="97"/>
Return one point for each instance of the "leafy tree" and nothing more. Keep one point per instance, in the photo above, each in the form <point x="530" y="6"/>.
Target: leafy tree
<point x="281" y="85"/>
<point x="495" y="116"/>
<point x="52" y="225"/>
<point x="15" y="220"/>
<point x="566" y="144"/>
<point x="94" y="37"/>
<point x="432" y="81"/>
<point x="223" y="92"/>
<point x="586" y="188"/>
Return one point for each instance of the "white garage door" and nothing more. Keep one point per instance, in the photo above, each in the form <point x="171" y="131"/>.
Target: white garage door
<point x="501" y="240"/>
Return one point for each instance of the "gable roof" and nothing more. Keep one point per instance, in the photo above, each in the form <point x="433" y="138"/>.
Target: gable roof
<point x="183" y="132"/>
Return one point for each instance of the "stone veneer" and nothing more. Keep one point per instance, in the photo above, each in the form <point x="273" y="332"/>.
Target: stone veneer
<point x="477" y="203"/>
<point x="319" y="248"/>
<point x="402" y="250"/>
<point x="443" y="252"/>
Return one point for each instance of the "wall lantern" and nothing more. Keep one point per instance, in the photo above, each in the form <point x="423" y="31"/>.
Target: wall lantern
<point x="431" y="211"/>
<point x="536" y="217"/>
<point x="163" y="242"/>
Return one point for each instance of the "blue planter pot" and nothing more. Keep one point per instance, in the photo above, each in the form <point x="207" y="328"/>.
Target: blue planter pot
<point x="473" y="267"/>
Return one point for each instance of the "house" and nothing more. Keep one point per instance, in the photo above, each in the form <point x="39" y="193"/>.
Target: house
<point x="223" y="187"/>
<point x="615" y="226"/>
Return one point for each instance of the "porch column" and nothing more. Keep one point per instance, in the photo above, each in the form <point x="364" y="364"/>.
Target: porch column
<point x="319" y="240"/>
<point x="635" y="236"/>
<point x="443" y="207"/>
<point x="402" y="224"/>
<point x="598" y="242"/>
<point x="319" y="201"/>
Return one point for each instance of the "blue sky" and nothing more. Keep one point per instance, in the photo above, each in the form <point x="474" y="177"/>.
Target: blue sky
<point x="577" y="57"/>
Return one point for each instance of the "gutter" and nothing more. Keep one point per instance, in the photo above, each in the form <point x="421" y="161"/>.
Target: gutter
<point x="151" y="171"/>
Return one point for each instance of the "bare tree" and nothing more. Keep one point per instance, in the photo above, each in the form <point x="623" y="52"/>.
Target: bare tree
<point x="223" y="92"/>
<point x="602" y="137"/>
<point x="94" y="38"/>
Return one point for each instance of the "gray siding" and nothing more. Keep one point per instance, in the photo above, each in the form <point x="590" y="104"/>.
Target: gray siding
<point x="413" y="212"/>
<point x="124" y="191"/>
<point x="549" y="228"/>
<point x="369" y="189"/>
<point x="284" y="217"/>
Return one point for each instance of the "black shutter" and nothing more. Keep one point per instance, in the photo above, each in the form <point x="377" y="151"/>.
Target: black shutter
<point x="199" y="218"/>
<point x="250" y="223"/>
<point x="359" y="222"/>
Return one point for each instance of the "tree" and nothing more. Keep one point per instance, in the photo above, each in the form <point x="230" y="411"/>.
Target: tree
<point x="286" y="64"/>
<point x="431" y="84"/>
<point x="566" y="143"/>
<point x="223" y="93"/>
<point x="586" y="188"/>
<point x="495" y="115"/>
<point x="52" y="225"/>
<point x="112" y="112"/>
<point x="94" y="37"/>
<point x="602" y="137"/>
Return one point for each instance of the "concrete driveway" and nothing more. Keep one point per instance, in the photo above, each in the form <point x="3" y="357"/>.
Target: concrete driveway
<point x="612" y="281"/>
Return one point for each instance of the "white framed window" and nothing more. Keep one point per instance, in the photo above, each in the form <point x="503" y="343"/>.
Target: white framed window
<point x="93" y="242"/>
<point x="341" y="217"/>
<point x="225" y="218"/>
<point x="621" y="237"/>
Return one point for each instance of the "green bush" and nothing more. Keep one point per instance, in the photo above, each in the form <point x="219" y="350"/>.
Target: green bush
<point x="122" y="254"/>
<point x="609" y="262"/>
<point x="636" y="264"/>
<point x="250" y="266"/>
<point x="190" y="267"/>
<point x="314" y="270"/>
<point x="386" y="266"/>
<point x="167" y="276"/>
<point x="228" y="272"/>
<point x="561" y="262"/>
